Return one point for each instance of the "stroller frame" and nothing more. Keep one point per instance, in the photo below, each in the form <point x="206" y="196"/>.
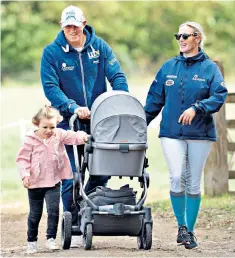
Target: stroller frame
<point x="91" y="216"/>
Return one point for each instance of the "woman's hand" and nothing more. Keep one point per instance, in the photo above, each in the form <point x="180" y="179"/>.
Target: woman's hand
<point x="26" y="182"/>
<point x="187" y="117"/>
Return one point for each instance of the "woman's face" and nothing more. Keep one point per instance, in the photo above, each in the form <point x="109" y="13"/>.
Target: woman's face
<point x="189" y="46"/>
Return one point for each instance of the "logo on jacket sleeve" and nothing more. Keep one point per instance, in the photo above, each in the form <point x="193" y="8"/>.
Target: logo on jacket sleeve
<point x="222" y="84"/>
<point x="169" y="83"/>
<point x="64" y="67"/>
<point x="111" y="62"/>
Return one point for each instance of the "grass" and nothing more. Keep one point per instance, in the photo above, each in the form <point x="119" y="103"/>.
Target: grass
<point x="215" y="212"/>
<point x="27" y="101"/>
<point x="224" y="202"/>
<point x="10" y="144"/>
<point x="12" y="190"/>
<point x="11" y="184"/>
<point x="25" y="107"/>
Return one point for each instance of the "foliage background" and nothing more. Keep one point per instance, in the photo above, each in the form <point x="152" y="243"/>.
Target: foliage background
<point x="140" y="32"/>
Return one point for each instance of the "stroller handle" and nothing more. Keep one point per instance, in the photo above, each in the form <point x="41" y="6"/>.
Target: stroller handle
<point x="72" y="120"/>
<point x="134" y="147"/>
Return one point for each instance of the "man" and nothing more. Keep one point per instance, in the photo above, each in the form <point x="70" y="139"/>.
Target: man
<point x="74" y="69"/>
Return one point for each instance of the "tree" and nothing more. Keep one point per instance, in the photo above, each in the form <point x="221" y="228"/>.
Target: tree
<point x="141" y="32"/>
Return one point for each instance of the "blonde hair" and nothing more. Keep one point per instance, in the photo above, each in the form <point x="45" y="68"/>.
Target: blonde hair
<point x="197" y="30"/>
<point x="46" y="112"/>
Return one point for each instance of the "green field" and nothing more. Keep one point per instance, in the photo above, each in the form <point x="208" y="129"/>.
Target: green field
<point x="20" y="104"/>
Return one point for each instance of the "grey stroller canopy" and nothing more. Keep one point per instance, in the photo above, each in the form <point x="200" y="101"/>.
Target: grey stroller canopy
<point x="118" y="117"/>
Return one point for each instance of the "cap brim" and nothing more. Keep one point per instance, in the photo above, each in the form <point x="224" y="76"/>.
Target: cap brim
<point x="71" y="22"/>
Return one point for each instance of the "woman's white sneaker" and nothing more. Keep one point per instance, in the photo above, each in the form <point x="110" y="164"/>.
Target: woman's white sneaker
<point x="51" y="244"/>
<point x="32" y="247"/>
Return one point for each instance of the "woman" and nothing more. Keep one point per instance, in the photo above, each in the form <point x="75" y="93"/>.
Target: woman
<point x="191" y="88"/>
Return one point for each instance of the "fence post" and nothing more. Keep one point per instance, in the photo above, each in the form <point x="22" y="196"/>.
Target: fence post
<point x="216" y="170"/>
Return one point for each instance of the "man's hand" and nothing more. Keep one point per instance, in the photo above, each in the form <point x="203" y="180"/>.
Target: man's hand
<point x="187" y="116"/>
<point x="83" y="112"/>
<point x="26" y="182"/>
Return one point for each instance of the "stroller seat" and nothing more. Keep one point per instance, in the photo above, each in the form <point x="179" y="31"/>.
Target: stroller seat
<point x="119" y="135"/>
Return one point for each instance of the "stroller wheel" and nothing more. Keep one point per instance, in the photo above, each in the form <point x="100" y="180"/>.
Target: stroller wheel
<point x="140" y="242"/>
<point x="66" y="230"/>
<point x="141" y="180"/>
<point x="147" y="179"/>
<point x="87" y="237"/>
<point x="147" y="239"/>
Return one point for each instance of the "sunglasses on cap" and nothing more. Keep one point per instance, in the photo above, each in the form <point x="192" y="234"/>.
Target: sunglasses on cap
<point x="184" y="35"/>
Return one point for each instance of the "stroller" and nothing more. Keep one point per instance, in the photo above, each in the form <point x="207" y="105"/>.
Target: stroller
<point x="116" y="147"/>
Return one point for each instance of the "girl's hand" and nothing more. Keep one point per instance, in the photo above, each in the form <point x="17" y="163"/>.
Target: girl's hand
<point x="187" y="116"/>
<point x="26" y="182"/>
<point x="83" y="136"/>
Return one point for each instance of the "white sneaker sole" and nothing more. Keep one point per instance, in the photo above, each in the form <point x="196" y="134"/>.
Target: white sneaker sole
<point x="52" y="249"/>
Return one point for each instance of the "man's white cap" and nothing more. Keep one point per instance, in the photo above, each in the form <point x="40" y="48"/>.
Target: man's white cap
<point x="72" y="15"/>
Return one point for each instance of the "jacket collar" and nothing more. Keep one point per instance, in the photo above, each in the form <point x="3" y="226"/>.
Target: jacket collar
<point x="193" y="59"/>
<point x="31" y="134"/>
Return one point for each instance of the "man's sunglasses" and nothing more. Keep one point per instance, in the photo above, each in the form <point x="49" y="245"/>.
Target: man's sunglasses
<point x="184" y="36"/>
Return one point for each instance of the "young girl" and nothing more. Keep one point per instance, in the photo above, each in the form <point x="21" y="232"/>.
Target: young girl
<point x="43" y="162"/>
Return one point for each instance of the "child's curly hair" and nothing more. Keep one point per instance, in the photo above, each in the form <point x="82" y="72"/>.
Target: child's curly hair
<point x="46" y="112"/>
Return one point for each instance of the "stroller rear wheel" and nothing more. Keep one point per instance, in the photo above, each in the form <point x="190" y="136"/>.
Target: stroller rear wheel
<point x="145" y="241"/>
<point x="87" y="237"/>
<point x="66" y="230"/>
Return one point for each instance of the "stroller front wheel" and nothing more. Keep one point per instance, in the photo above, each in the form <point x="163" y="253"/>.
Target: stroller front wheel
<point x="87" y="237"/>
<point x="66" y="230"/>
<point x="145" y="241"/>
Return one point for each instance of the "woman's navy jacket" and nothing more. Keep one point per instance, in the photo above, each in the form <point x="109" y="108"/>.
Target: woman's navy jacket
<point x="182" y="83"/>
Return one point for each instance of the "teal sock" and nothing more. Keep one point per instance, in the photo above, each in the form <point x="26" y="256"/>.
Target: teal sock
<point x="178" y="205"/>
<point x="192" y="209"/>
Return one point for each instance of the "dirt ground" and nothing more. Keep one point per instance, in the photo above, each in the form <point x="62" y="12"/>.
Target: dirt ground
<point x="215" y="232"/>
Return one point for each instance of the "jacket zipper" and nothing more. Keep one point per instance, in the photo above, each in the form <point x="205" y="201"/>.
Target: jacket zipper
<point x="181" y="86"/>
<point x="83" y="80"/>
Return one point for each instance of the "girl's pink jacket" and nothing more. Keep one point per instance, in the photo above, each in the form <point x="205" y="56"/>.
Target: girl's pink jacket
<point x="45" y="161"/>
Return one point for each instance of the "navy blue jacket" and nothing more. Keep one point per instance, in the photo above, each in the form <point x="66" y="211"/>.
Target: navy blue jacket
<point x="182" y="83"/>
<point x="71" y="79"/>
